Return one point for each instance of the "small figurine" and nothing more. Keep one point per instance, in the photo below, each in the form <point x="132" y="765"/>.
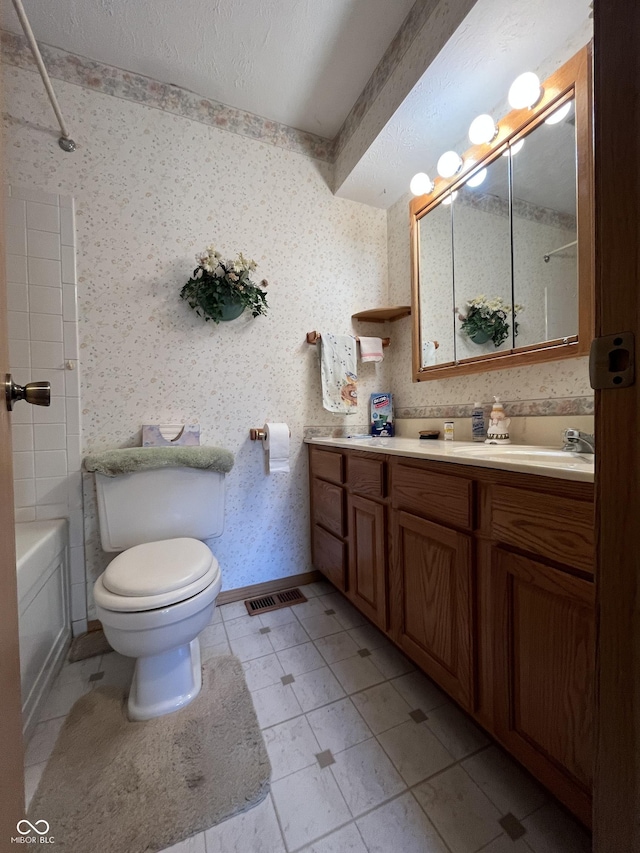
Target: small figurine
<point x="498" y="432"/>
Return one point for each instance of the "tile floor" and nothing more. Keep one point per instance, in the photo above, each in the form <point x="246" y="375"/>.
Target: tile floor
<point x="368" y="755"/>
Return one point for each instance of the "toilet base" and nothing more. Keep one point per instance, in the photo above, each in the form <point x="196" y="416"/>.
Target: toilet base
<point x="165" y="682"/>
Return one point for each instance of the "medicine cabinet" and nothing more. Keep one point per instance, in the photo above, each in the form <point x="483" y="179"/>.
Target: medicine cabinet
<point x="502" y="253"/>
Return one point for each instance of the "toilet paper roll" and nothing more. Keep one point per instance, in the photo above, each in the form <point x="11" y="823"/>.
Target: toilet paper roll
<point x="276" y="445"/>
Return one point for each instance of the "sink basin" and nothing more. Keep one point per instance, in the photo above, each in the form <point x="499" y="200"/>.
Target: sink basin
<point x="549" y="457"/>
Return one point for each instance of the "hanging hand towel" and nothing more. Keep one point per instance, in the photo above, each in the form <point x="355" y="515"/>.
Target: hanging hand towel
<point x="428" y="353"/>
<point x="371" y="349"/>
<point x="339" y="373"/>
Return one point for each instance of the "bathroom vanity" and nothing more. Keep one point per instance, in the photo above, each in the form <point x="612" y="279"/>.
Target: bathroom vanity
<point x="480" y="569"/>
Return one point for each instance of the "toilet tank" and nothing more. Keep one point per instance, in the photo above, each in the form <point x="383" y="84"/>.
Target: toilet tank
<point x="164" y="503"/>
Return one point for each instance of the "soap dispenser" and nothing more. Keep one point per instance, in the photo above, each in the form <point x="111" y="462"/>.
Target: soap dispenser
<point x="498" y="432"/>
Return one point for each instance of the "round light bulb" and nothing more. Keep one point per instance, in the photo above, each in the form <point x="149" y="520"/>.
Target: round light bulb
<point x="559" y="114"/>
<point x="450" y="198"/>
<point x="449" y="164"/>
<point x="482" y="129"/>
<point x="513" y="149"/>
<point x="477" y="179"/>
<point x="421" y="184"/>
<point x="525" y="91"/>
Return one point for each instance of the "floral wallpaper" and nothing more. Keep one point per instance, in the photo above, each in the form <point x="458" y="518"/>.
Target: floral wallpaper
<point x="152" y="189"/>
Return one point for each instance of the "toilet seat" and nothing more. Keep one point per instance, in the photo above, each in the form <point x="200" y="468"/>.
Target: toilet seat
<point x="157" y="567"/>
<point x="156" y="575"/>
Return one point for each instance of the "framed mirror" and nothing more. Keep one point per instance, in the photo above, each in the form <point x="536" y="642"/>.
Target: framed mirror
<point x="502" y="252"/>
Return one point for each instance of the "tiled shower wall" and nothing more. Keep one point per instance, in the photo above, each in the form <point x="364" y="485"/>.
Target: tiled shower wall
<point x="43" y="345"/>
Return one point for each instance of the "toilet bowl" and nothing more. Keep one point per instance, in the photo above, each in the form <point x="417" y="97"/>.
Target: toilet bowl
<point x="153" y="600"/>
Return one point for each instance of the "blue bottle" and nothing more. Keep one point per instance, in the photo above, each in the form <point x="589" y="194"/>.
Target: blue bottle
<point x="478" y="432"/>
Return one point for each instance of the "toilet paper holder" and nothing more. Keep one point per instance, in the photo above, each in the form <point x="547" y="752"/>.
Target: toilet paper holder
<point x="258" y="434"/>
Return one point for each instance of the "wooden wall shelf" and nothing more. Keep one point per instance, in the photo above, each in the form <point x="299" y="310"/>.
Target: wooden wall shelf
<point x="383" y="315"/>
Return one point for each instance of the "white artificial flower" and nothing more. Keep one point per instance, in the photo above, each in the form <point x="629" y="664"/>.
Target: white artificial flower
<point x="218" y="272"/>
<point x="198" y="273"/>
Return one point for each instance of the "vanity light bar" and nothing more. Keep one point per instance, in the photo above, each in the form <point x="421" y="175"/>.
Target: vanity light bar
<point x="525" y="92"/>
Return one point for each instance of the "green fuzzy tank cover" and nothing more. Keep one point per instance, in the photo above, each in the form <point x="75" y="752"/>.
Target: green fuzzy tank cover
<point x="130" y="459"/>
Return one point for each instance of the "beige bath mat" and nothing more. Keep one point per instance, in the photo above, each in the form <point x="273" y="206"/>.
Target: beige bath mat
<point x="115" y="786"/>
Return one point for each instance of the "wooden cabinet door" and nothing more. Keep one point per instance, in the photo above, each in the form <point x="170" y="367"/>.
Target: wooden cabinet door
<point x="544" y="657"/>
<point x="328" y="554"/>
<point x="431" y="608"/>
<point x="367" y="558"/>
<point x="327" y="506"/>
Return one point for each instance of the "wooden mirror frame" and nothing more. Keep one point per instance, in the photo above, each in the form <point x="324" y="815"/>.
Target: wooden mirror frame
<point x="572" y="80"/>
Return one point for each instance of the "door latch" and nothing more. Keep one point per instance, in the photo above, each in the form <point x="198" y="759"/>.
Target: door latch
<point x="612" y="361"/>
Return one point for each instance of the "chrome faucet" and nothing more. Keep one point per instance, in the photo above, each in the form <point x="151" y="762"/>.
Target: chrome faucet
<point x="578" y="442"/>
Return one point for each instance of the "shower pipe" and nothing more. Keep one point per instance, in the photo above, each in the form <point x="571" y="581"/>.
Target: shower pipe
<point x="560" y="249"/>
<point x="65" y="142"/>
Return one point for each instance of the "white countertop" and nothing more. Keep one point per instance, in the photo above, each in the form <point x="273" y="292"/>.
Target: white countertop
<point x="543" y="461"/>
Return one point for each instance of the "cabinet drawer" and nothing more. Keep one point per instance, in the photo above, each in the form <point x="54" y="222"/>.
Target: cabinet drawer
<point x="366" y="476"/>
<point x="329" y="556"/>
<point x="436" y="496"/>
<point x="328" y="506"/>
<point x="328" y="465"/>
<point x="558" y="528"/>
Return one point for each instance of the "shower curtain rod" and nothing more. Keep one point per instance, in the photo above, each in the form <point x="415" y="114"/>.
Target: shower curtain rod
<point x="555" y="251"/>
<point x="65" y="142"/>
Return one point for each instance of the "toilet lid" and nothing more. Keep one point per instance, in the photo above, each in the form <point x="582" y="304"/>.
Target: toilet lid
<point x="157" y="567"/>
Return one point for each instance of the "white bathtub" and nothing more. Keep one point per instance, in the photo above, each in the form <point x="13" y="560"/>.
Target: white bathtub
<point x="43" y="605"/>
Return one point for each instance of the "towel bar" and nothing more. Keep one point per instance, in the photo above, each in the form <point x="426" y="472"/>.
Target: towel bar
<point x="314" y="337"/>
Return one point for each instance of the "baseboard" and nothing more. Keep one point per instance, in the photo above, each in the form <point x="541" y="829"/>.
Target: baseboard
<point x="257" y="589"/>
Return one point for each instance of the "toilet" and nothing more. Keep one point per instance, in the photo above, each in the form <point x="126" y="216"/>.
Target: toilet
<point x="159" y="593"/>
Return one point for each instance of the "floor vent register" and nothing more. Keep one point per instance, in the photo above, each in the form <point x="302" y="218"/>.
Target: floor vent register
<point x="274" y="602"/>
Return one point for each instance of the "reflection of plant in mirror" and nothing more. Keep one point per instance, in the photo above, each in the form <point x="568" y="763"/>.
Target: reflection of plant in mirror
<point x="486" y="320"/>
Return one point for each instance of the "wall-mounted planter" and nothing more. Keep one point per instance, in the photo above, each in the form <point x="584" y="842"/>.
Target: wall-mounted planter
<point x="232" y="310"/>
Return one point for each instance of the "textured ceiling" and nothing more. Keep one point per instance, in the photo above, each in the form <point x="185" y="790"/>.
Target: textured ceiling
<point x="299" y="62"/>
<point x="498" y="40"/>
